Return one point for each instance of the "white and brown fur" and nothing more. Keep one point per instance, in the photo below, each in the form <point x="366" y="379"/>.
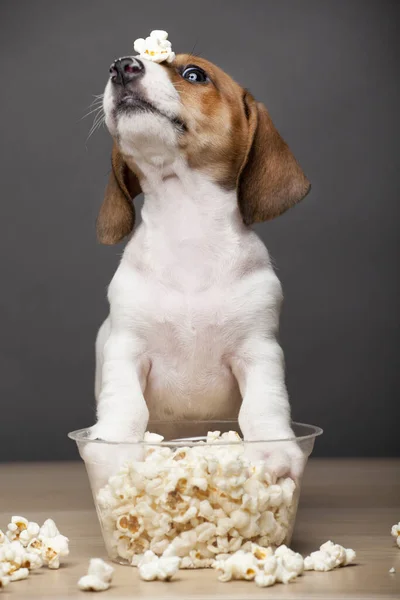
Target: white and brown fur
<point x="195" y="302"/>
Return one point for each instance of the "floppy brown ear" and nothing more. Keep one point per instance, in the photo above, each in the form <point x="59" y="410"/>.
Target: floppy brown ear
<point x="271" y="180"/>
<point x="117" y="214"/>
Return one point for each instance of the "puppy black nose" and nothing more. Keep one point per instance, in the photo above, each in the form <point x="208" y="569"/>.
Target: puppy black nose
<point x="125" y="69"/>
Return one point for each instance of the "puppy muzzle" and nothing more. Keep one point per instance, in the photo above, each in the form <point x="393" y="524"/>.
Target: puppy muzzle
<point x="125" y="70"/>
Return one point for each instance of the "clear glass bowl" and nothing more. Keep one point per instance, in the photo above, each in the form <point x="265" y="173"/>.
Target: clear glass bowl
<point x="199" y="498"/>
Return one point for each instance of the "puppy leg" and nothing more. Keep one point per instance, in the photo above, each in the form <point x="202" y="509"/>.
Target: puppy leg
<point x="121" y="409"/>
<point x="102" y="337"/>
<point x="265" y="413"/>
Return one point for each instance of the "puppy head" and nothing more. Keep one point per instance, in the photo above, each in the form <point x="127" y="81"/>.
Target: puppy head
<point x="191" y="111"/>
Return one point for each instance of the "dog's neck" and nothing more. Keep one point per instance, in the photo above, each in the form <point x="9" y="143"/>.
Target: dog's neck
<point x="185" y="202"/>
<point x="189" y="223"/>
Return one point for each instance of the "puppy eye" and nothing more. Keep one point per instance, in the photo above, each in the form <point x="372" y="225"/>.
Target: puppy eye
<point x="195" y="75"/>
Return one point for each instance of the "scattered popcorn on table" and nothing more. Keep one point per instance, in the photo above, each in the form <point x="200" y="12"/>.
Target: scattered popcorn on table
<point x="21" y="529"/>
<point x="91" y="583"/>
<point x="156" y="47"/>
<point x="392" y="570"/>
<point x="289" y="564"/>
<point x="262" y="565"/>
<point x="14" y="557"/>
<point x="328" y="557"/>
<point x="4" y="580"/>
<point x="241" y="565"/>
<point x="153" y="567"/>
<point x="19" y="574"/>
<point x="26" y="546"/>
<point x="194" y="502"/>
<point x="50" y="544"/>
<point x="98" y="578"/>
<point x="395" y="531"/>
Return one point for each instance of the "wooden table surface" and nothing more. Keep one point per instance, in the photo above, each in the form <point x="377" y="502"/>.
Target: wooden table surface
<point x="353" y="502"/>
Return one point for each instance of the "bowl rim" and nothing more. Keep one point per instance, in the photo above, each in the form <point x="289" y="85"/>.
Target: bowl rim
<point x="81" y="435"/>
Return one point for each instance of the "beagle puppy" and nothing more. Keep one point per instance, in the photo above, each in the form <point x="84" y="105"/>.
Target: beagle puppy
<point x="195" y="302"/>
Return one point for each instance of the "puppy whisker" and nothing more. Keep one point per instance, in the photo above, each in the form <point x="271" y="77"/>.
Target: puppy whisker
<point x="97" y="109"/>
<point x="97" y="100"/>
<point x="98" y="121"/>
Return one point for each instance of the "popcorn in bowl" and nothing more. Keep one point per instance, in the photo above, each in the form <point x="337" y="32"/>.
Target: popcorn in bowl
<point x="201" y="502"/>
<point x="156" y="47"/>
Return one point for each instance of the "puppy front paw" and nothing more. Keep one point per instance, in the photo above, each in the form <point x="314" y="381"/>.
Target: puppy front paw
<point x="109" y="431"/>
<point x="283" y="457"/>
<point x="110" y="446"/>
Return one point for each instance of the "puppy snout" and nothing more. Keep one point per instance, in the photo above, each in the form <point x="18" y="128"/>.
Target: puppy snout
<point x="126" y="69"/>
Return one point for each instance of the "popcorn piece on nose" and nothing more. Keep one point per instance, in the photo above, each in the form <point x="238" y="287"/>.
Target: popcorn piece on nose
<point x="159" y="34"/>
<point x="156" y="47"/>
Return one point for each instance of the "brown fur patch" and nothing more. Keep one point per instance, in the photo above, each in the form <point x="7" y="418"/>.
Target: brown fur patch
<point x="116" y="218"/>
<point x="217" y="127"/>
<point x="271" y="180"/>
<point x="232" y="139"/>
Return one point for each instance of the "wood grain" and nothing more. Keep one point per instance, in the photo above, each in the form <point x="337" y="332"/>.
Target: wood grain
<point x="353" y="502"/>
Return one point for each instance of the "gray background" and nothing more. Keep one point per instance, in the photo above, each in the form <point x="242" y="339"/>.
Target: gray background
<point x="328" y="72"/>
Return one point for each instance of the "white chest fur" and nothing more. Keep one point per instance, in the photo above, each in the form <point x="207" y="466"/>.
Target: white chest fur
<point x="192" y="285"/>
